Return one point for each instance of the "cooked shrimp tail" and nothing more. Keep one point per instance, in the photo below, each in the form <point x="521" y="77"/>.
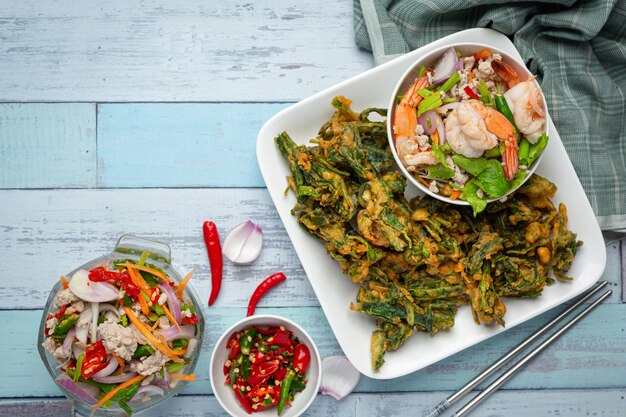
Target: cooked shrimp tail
<point x="405" y="115"/>
<point x="506" y="72"/>
<point x="510" y="158"/>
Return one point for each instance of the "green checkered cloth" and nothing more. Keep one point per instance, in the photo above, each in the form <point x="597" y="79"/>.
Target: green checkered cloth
<point x="576" y="48"/>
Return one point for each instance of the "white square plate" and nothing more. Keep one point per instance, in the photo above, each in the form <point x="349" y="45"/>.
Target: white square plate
<point x="335" y="291"/>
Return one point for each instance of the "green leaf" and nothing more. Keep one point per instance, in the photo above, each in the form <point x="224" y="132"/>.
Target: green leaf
<point x="517" y="179"/>
<point x="488" y="174"/>
<point x="473" y="166"/>
<point x="470" y="194"/>
<point x="440" y="172"/>
<point x="492" y="180"/>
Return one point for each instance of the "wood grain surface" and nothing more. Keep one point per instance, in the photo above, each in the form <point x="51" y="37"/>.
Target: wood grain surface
<point x="185" y="51"/>
<point x="142" y="118"/>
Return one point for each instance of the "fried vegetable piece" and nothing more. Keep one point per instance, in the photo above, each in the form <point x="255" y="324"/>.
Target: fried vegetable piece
<point x="417" y="262"/>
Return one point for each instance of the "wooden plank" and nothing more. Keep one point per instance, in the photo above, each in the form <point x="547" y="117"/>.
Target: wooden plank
<point x="193" y="51"/>
<point x="623" y="262"/>
<point x="180" y="144"/>
<point x="510" y="403"/>
<point x="585" y="357"/>
<point x="51" y="232"/>
<point x="47" y="145"/>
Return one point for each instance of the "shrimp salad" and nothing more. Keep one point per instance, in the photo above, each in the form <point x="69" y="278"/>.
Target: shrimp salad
<point x="469" y="128"/>
<point x="122" y="333"/>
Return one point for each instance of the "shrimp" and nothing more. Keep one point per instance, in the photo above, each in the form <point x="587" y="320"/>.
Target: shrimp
<point x="472" y="128"/>
<point x="525" y="100"/>
<point x="405" y="128"/>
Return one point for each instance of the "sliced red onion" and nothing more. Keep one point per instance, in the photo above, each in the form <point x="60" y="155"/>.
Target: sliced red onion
<point x="172" y="302"/>
<point x="243" y="244"/>
<point x="111" y="308"/>
<point x="87" y="290"/>
<point x="446" y="66"/>
<point x="82" y="331"/>
<point x="69" y="338"/>
<point x="429" y="120"/>
<point x="95" y="312"/>
<point x="191" y="347"/>
<point x="172" y="333"/>
<point x="85" y="394"/>
<point x="459" y="65"/>
<point x="442" y="133"/>
<point x="149" y="391"/>
<point x="447" y="107"/>
<point x="115" y="379"/>
<point x="77" y="351"/>
<point x="107" y="370"/>
<point x="339" y="377"/>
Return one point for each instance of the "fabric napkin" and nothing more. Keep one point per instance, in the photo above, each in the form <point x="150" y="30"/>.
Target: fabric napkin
<point x="576" y="48"/>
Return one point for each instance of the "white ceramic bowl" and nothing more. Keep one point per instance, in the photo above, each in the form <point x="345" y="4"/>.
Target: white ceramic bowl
<point x="224" y="393"/>
<point x="428" y="60"/>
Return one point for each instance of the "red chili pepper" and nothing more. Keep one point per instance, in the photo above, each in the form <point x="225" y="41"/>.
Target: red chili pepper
<point x="243" y="401"/>
<point x="268" y="331"/>
<point x="468" y="90"/>
<point x="280" y="374"/>
<point x="95" y="359"/>
<point x="214" y="250"/>
<point x="263" y="288"/>
<point x="235" y="348"/>
<point x="261" y="372"/>
<point x="280" y="339"/>
<point x="301" y="358"/>
<point x="100" y="274"/>
<point x="190" y="320"/>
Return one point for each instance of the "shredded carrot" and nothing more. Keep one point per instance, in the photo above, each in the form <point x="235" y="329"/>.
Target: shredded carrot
<point x="64" y="282"/>
<point x="183" y="283"/>
<point x="154" y="326"/>
<point x="472" y="75"/>
<point x="152" y="271"/>
<point x="146" y="332"/>
<point x="144" y="306"/>
<point x="423" y="181"/>
<point x="484" y="54"/>
<point x="190" y="377"/>
<point x="114" y="391"/>
<point x="138" y="279"/>
<point x="455" y="194"/>
<point x="435" y="137"/>
<point x="171" y="317"/>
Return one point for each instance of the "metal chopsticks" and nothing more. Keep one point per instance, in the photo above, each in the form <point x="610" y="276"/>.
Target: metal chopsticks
<point x="454" y="398"/>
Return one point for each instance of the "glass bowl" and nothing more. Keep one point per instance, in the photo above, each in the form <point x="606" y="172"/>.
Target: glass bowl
<point x="127" y="247"/>
<point x="428" y="60"/>
<point x="224" y="394"/>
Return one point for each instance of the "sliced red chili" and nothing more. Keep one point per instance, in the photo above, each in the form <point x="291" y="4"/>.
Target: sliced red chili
<point x="280" y="374"/>
<point x="190" y="320"/>
<point x="245" y="403"/>
<point x="214" y="251"/>
<point x="267" y="284"/>
<point x="281" y="339"/>
<point x="268" y="331"/>
<point x="468" y="90"/>
<point x="261" y="372"/>
<point x="95" y="359"/>
<point x="301" y="358"/>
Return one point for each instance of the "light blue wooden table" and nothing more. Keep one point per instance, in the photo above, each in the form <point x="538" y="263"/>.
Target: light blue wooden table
<point x="142" y="117"/>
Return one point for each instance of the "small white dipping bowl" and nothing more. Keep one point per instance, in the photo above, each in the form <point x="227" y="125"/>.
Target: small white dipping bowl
<point x="429" y="60"/>
<point x="224" y="393"/>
